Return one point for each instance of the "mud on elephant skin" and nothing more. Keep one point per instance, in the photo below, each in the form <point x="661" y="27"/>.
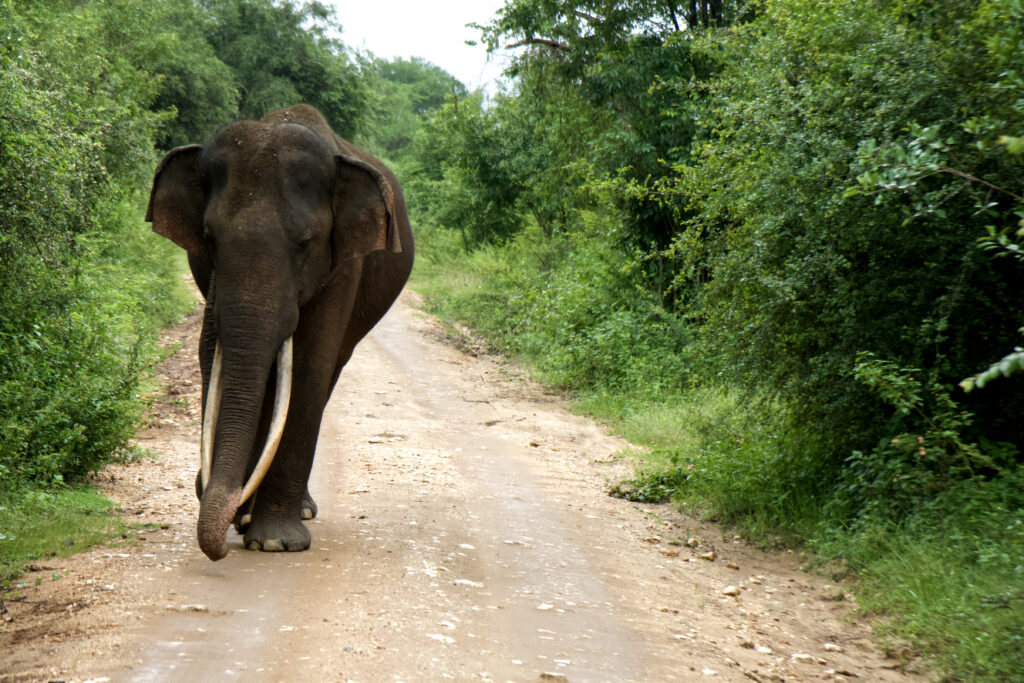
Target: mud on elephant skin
<point x="299" y="242"/>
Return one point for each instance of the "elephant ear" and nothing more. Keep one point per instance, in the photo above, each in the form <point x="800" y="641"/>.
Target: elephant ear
<point x="367" y="207"/>
<point x="176" y="200"/>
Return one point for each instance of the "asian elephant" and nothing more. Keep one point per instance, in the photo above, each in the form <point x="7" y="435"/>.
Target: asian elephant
<point x="300" y="243"/>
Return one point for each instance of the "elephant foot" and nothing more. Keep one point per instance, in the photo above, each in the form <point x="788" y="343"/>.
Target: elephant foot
<point x="277" y="535"/>
<point x="309" y="508"/>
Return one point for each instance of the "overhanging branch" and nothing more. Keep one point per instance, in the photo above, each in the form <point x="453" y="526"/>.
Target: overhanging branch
<point x="589" y="17"/>
<point x="540" y="41"/>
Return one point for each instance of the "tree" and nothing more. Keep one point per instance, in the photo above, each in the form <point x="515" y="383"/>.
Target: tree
<point x="628" y="63"/>
<point x="281" y="54"/>
<point x="201" y="90"/>
<point x="405" y="92"/>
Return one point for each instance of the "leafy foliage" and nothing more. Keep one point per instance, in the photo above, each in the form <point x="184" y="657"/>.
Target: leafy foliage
<point x="804" y="206"/>
<point x="74" y="275"/>
<point x="467" y="176"/>
<point x="654" y="486"/>
<point x="195" y="83"/>
<point x="212" y="61"/>
<point x="405" y="92"/>
<point x="807" y="270"/>
<point x="281" y="54"/>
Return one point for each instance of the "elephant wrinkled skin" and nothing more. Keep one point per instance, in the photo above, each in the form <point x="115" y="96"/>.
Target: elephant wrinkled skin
<point x="299" y="242"/>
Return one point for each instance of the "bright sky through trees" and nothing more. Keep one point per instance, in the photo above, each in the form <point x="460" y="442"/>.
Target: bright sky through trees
<point x="435" y="31"/>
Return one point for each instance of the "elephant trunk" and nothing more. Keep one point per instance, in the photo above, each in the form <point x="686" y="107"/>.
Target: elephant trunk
<point x="215" y="514"/>
<point x="234" y="403"/>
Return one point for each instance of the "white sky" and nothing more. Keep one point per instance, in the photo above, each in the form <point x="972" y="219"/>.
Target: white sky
<point x="435" y="31"/>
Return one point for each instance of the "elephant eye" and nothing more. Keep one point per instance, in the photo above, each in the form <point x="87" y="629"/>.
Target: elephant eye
<point x="304" y="242"/>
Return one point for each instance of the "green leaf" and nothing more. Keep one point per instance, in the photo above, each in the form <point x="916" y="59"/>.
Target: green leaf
<point x="1014" y="145"/>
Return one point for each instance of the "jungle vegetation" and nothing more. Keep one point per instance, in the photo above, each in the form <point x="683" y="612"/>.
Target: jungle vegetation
<point x="776" y="243"/>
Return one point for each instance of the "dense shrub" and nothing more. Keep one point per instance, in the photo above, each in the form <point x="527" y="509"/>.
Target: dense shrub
<point x="82" y="284"/>
<point x="832" y="239"/>
<point x="568" y="306"/>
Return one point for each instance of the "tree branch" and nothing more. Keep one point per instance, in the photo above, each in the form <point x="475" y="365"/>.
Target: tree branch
<point x="968" y="176"/>
<point x="716" y="12"/>
<point x="540" y="41"/>
<point x="589" y="17"/>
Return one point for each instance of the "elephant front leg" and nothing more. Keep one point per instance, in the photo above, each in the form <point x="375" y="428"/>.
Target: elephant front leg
<point x="276" y="523"/>
<point x="282" y="500"/>
<point x="277" y="512"/>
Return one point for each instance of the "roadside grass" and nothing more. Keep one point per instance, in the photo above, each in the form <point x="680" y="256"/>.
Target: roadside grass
<point x="676" y="421"/>
<point x="956" y="600"/>
<point x="944" y="583"/>
<point x="473" y="288"/>
<point x="38" y="524"/>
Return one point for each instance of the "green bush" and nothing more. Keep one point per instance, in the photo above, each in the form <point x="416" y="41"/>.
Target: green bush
<point x="589" y="327"/>
<point x="83" y="284"/>
<point x="854" y="226"/>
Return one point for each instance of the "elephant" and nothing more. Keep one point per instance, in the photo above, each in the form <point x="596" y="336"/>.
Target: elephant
<point x="299" y="243"/>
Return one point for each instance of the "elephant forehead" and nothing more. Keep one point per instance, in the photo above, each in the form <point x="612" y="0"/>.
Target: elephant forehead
<point x="257" y="150"/>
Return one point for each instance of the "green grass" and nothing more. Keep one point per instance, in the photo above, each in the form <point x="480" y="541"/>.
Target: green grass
<point x="959" y="602"/>
<point x="39" y="524"/>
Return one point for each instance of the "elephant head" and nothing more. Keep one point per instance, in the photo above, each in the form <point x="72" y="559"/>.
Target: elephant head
<point x="267" y="210"/>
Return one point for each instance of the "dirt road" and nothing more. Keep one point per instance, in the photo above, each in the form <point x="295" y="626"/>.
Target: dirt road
<point x="464" y="534"/>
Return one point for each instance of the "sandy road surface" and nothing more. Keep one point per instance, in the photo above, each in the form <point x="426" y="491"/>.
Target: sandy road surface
<point x="464" y="534"/>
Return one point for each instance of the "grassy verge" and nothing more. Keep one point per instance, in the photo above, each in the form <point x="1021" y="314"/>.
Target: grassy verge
<point x="37" y="524"/>
<point x="958" y="600"/>
<point x="942" y="571"/>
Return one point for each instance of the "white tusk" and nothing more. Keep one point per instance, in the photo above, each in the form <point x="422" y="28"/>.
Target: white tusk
<point x="281" y="399"/>
<point x="213" y="395"/>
